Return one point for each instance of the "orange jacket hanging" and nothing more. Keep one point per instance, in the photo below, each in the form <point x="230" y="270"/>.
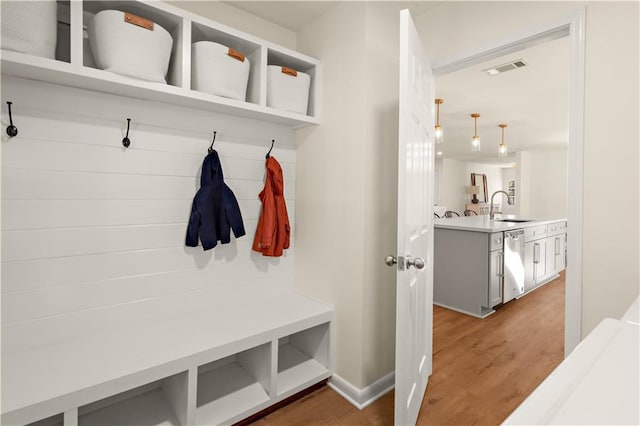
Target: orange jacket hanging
<point x="273" y="231"/>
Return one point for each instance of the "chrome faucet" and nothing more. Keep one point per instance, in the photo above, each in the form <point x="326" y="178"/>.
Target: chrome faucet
<point x="509" y="201"/>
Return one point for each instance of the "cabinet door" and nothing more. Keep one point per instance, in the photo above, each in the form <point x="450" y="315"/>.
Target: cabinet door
<point x="529" y="266"/>
<point x="496" y="277"/>
<point x="540" y="259"/>
<point x="552" y="246"/>
<point x="558" y="251"/>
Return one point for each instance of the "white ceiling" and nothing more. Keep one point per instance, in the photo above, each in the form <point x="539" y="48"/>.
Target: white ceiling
<point x="293" y="15"/>
<point x="296" y="15"/>
<point x="532" y="101"/>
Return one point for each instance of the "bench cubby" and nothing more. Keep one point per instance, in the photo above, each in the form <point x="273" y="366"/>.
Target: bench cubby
<point x="302" y="356"/>
<point x="57" y="420"/>
<point x="157" y="403"/>
<point x="232" y="385"/>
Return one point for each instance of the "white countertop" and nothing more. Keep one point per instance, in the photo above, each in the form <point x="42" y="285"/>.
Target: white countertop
<point x="482" y="223"/>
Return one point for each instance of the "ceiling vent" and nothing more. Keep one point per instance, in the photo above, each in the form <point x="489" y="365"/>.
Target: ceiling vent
<point x="518" y="63"/>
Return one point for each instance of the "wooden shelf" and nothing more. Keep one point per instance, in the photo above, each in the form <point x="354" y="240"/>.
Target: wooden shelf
<point x="185" y="28"/>
<point x="42" y="69"/>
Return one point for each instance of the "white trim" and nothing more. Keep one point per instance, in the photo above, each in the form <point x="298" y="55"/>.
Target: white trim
<point x="361" y="398"/>
<point x="573" y="289"/>
<point x="572" y="25"/>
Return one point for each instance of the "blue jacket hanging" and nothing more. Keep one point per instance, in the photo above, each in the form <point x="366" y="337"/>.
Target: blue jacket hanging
<point x="215" y="210"/>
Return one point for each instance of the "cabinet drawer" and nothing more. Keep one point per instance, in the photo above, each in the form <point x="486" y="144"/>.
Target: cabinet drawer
<point x="495" y="241"/>
<point x="535" y="232"/>
<point x="556" y="228"/>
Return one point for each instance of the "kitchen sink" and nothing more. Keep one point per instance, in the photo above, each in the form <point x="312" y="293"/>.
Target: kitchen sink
<point x="513" y="220"/>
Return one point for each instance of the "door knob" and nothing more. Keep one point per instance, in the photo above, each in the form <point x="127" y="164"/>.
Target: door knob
<point x="417" y="262"/>
<point x="390" y="260"/>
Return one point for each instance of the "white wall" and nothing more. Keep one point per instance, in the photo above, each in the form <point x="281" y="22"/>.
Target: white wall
<point x="611" y="180"/>
<point x="90" y="228"/>
<point x="330" y="181"/>
<point x="380" y="195"/>
<point x="453" y="182"/>
<point x="494" y="179"/>
<point x="225" y="13"/>
<point x="523" y="173"/>
<point x="455" y="177"/>
<point x="509" y="174"/>
<point x="547" y="183"/>
<point x="610" y="265"/>
<point x="355" y="201"/>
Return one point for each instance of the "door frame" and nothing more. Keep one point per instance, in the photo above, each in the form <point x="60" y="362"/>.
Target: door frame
<point x="571" y="25"/>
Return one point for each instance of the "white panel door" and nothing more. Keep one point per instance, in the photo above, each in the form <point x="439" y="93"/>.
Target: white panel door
<point x="414" y="279"/>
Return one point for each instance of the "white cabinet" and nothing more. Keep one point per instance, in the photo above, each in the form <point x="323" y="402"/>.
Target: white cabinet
<point x="74" y="66"/>
<point x="496" y="277"/>
<point x="556" y="243"/>
<point x="543" y="253"/>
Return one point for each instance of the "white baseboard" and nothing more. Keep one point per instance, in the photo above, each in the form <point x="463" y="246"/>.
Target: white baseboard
<point x="363" y="397"/>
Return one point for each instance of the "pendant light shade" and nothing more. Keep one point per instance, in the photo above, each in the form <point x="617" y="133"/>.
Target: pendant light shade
<point x="502" y="149"/>
<point x="475" y="140"/>
<point x="438" y="129"/>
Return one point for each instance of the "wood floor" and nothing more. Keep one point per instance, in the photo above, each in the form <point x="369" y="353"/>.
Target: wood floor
<point x="482" y="369"/>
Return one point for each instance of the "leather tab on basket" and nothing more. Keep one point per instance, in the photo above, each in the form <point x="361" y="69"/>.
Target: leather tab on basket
<point x="136" y="20"/>
<point x="236" y="55"/>
<point x="290" y="71"/>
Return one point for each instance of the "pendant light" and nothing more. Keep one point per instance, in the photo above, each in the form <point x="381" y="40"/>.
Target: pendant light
<point x="475" y="140"/>
<point x="502" y="149"/>
<point x="439" y="134"/>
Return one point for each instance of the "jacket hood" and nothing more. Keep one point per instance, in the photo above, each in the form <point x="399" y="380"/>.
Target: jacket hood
<point x="211" y="170"/>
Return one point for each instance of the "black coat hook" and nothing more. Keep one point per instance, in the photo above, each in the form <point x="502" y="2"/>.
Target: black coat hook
<point x="11" y="129"/>
<point x="126" y="141"/>
<point x="210" y="150"/>
<point x="273" y="141"/>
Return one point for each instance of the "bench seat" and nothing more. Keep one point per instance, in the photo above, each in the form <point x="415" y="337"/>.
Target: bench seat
<point x="59" y="378"/>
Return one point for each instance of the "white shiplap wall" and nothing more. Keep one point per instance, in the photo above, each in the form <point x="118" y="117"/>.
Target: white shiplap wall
<point x="93" y="233"/>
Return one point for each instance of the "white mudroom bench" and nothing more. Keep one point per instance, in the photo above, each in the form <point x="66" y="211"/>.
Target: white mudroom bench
<point x="243" y="349"/>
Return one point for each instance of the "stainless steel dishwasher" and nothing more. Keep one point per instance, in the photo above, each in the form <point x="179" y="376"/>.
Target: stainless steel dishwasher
<point x="513" y="264"/>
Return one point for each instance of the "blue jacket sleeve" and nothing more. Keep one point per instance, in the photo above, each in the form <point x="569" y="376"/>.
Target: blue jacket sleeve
<point x="232" y="211"/>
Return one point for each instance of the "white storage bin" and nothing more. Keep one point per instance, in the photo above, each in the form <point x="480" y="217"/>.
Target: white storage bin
<point x="219" y="70"/>
<point x="287" y="89"/>
<point x="130" y="45"/>
<point x="30" y="27"/>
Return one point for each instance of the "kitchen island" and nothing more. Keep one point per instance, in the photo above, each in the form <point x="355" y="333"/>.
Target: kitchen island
<point x="480" y="263"/>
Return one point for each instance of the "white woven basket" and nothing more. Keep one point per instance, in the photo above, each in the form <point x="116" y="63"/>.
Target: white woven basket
<point x="30" y="27"/>
<point x="128" y="49"/>
<point x="218" y="70"/>
<point x="287" y="92"/>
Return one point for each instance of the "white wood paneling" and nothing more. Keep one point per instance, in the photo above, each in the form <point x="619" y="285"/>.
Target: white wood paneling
<point x="93" y="233"/>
